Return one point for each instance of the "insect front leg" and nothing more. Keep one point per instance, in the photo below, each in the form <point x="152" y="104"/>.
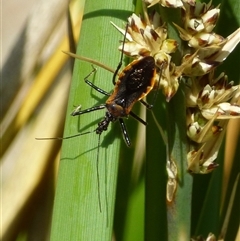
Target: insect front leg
<point x="77" y="111"/>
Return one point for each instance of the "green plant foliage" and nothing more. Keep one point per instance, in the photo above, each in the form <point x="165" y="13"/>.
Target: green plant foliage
<point x="79" y="213"/>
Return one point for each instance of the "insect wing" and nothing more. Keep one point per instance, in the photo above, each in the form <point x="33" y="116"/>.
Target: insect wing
<point x="134" y="83"/>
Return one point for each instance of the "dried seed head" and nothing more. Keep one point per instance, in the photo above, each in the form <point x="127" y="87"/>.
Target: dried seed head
<point x="151" y="39"/>
<point x="199" y="17"/>
<point x="206" y="126"/>
<point x="198" y="164"/>
<point x="143" y="40"/>
<point x="199" y="21"/>
<point x="165" y="3"/>
<point x="206" y="92"/>
<point x="199" y="129"/>
<point x="207" y="98"/>
<point x="210" y="237"/>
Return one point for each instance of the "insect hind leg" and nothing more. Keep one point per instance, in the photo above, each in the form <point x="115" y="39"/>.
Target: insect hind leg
<point x="148" y="106"/>
<point x="136" y="117"/>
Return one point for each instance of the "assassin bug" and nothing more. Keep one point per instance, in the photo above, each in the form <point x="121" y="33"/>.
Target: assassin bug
<point x="134" y="82"/>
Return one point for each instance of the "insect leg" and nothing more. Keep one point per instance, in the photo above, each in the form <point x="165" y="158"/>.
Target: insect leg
<point x="77" y="111"/>
<point x="92" y="72"/>
<point x="138" y="118"/>
<point x="94" y="86"/>
<point x="97" y="88"/>
<point x="148" y="106"/>
<point x="124" y="131"/>
<point x="121" y="58"/>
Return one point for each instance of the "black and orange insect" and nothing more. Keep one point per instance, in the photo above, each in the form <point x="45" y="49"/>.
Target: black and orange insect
<point x="133" y="84"/>
<point x="135" y="81"/>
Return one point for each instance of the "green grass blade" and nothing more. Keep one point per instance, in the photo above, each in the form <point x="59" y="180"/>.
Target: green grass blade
<point x="76" y="214"/>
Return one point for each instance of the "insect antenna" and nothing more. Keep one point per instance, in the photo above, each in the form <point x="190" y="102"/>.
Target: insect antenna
<point x="98" y="175"/>
<point x="63" y="138"/>
<point x="97" y="163"/>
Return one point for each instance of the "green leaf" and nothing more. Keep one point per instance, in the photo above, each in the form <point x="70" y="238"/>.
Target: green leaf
<point x="76" y="214"/>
